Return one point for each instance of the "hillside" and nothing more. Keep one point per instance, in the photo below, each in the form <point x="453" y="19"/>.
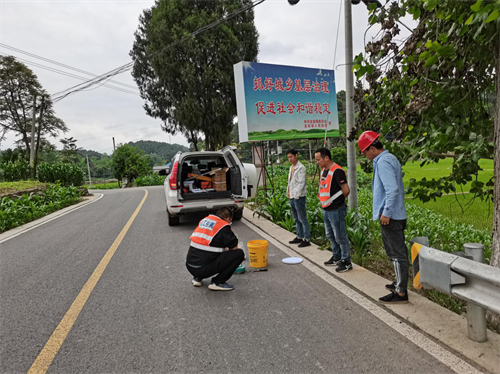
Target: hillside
<point x="164" y="150"/>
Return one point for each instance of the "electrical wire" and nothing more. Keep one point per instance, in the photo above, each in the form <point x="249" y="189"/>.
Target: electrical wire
<point x="334" y="59"/>
<point x="61" y="64"/>
<point x="69" y="91"/>
<point x="57" y="71"/>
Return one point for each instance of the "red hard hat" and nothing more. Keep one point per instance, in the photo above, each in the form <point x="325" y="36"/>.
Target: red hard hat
<point x="366" y="139"/>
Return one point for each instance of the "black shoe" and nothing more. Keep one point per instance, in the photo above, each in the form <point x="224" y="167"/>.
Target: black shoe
<point x="305" y="243"/>
<point x="391" y="287"/>
<point x="394" y="298"/>
<point x="332" y="262"/>
<point x="295" y="241"/>
<point x="344" y="266"/>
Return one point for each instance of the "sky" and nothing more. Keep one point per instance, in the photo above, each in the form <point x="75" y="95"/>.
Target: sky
<point x="97" y="35"/>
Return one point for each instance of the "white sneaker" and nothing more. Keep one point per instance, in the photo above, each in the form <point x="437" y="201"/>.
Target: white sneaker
<point x="221" y="287"/>
<point x="197" y="282"/>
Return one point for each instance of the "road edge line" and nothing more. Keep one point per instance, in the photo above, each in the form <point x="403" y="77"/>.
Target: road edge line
<point x="56" y="340"/>
<point x="16" y="231"/>
<point x="442" y="354"/>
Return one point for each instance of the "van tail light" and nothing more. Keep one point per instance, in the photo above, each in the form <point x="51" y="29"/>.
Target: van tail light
<point x="172" y="180"/>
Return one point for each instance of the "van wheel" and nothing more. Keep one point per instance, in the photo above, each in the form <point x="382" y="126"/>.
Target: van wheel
<point x="173" y="220"/>
<point x="238" y="215"/>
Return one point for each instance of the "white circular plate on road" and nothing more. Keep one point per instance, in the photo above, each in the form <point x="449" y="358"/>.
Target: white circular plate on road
<point x="292" y="260"/>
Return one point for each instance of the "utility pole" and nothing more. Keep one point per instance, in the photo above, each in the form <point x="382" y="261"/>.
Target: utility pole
<point x="88" y="168"/>
<point x="349" y="78"/>
<point x="32" y="145"/>
<point x="114" y="149"/>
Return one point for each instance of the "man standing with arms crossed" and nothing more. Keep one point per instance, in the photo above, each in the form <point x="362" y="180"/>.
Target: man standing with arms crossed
<point x="389" y="208"/>
<point x="333" y="190"/>
<point x="296" y="192"/>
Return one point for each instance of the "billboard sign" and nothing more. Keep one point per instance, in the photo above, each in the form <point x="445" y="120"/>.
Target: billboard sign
<point x="277" y="102"/>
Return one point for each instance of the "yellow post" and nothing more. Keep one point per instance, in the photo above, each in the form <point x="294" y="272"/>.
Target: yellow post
<point x="415" y="248"/>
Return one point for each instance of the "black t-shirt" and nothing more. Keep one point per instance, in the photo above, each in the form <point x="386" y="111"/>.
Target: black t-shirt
<point x="339" y="178"/>
<point x="225" y="238"/>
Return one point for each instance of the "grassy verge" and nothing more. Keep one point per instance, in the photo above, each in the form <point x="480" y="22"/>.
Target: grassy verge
<point x="103" y="186"/>
<point x="13" y="187"/>
<point x="18" y="211"/>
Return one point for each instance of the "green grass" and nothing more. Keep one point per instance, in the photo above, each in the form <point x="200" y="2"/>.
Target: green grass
<point x="443" y="169"/>
<point x="292" y="136"/>
<point x="12" y="187"/>
<point x="475" y="212"/>
<point x="103" y="186"/>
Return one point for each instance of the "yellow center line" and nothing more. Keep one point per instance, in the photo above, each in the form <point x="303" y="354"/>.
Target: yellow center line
<point x="49" y="351"/>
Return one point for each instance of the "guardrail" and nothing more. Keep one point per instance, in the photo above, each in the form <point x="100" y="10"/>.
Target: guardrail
<point x="463" y="275"/>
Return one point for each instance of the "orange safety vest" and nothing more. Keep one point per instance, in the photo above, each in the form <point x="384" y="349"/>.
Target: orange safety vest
<point x="325" y="185"/>
<point x="205" y="233"/>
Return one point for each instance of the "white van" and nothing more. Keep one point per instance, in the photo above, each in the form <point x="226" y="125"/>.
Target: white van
<point x="206" y="181"/>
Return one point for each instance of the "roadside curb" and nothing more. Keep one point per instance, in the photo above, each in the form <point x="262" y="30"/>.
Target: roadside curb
<point x="435" y="321"/>
<point x="52" y="216"/>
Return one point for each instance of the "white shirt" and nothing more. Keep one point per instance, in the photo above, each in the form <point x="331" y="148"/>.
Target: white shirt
<point x="297" y="186"/>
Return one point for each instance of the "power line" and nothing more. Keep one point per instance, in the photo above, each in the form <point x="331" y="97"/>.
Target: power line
<point x="61" y="64"/>
<point x="65" y="93"/>
<point x="57" y="71"/>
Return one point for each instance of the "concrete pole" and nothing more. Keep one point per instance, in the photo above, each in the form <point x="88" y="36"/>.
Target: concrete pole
<point x="88" y="169"/>
<point x="349" y="77"/>
<point x="476" y="316"/>
<point x="32" y="145"/>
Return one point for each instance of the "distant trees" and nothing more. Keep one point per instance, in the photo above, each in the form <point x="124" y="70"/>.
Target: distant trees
<point x="130" y="162"/>
<point x="22" y="101"/>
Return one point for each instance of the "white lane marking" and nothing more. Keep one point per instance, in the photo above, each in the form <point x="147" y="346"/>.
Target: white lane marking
<point x="44" y="221"/>
<point x="454" y="362"/>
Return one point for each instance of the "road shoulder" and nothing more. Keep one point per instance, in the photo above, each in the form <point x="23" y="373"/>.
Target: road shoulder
<point x="432" y="319"/>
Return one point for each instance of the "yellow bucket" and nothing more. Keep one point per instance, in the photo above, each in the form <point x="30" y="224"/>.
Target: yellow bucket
<point x="257" y="252"/>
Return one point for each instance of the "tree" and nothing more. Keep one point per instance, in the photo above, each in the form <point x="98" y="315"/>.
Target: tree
<point x="434" y="93"/>
<point x="22" y="99"/>
<point x="189" y="85"/>
<point x="129" y="162"/>
<point x="69" y="151"/>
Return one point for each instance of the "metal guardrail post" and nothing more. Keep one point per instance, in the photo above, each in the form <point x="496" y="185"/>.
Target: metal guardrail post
<point x="476" y="316"/>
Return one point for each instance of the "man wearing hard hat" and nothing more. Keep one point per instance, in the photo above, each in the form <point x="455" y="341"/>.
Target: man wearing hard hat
<point x="389" y="208"/>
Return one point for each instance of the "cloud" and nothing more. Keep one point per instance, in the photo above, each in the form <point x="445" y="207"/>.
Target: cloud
<point x="97" y="36"/>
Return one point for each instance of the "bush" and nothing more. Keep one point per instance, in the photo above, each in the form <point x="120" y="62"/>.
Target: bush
<point x="14" y="171"/>
<point x="64" y="173"/>
<point x="16" y="212"/>
<point x="339" y="156"/>
<point x="150" y="180"/>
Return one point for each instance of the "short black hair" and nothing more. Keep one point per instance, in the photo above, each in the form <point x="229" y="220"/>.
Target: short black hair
<point x="324" y="152"/>
<point x="292" y="151"/>
<point x="224" y="213"/>
<point x="377" y="144"/>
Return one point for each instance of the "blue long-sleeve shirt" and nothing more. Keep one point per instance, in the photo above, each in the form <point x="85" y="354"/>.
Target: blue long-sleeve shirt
<point x="388" y="190"/>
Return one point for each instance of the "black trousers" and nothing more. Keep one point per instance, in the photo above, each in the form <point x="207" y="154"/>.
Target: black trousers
<point x="393" y="237"/>
<point x="224" y="265"/>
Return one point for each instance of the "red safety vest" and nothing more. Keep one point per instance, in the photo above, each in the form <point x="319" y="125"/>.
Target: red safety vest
<point x="325" y="185"/>
<point x="205" y="233"/>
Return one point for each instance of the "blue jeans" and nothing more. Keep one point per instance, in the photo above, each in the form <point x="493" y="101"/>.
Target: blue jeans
<point x="336" y="233"/>
<point x="299" y="213"/>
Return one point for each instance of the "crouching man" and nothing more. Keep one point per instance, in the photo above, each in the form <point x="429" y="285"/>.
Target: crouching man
<point x="214" y="251"/>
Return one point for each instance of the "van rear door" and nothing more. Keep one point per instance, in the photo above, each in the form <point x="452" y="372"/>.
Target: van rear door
<point x="238" y="174"/>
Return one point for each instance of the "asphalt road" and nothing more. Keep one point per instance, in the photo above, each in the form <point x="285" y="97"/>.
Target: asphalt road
<point x="144" y="315"/>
